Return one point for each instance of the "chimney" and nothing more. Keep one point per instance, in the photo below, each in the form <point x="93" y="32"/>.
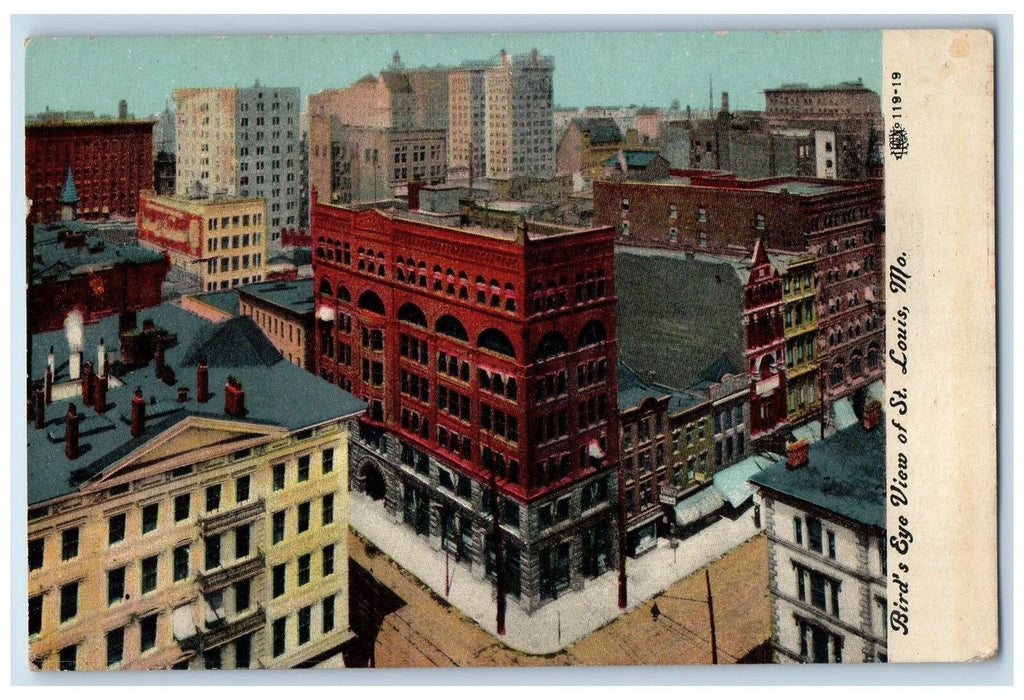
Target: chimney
<point x="40" y="408"/>
<point x="725" y="103"/>
<point x="87" y="382"/>
<point x="71" y="433"/>
<point x="99" y="394"/>
<point x="101" y="359"/>
<point x="48" y="386"/>
<point x="122" y="109"/>
<point x="872" y="414"/>
<point x="202" y="382"/>
<point x="75" y="365"/>
<point x="138" y="413"/>
<point x="234" y="398"/>
<point x="182" y="394"/>
<point x="797" y="454"/>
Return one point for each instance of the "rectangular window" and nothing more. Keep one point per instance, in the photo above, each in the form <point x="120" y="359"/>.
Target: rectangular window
<point x="147" y="633"/>
<point x="277" y="529"/>
<point x="328" y="560"/>
<point x="36" y="551"/>
<point x="328" y="461"/>
<point x="212" y="659"/>
<point x="303" y="517"/>
<point x="212" y="552"/>
<point x="243" y="652"/>
<point x="115" y="585"/>
<point x="242" y="595"/>
<point x="150" y="517"/>
<point x="116" y="528"/>
<point x="278" y="476"/>
<point x="279" y="632"/>
<point x="831" y="544"/>
<point x="278" y="584"/>
<point x="242" y="543"/>
<point x="798" y="531"/>
<point x="69" y="543"/>
<point x="242" y="488"/>
<point x="305" y="618"/>
<point x="68" y="601"/>
<point x="814" y="534"/>
<point x="182" y="506"/>
<point x="181" y="562"/>
<point x="304" y="569"/>
<point x="115" y="646"/>
<point x="68" y="658"/>
<point x="212" y="498"/>
<point x="328" y="614"/>
<point x="303" y="468"/>
<point x="149" y="569"/>
<point x="35" y="614"/>
<point x="328" y="509"/>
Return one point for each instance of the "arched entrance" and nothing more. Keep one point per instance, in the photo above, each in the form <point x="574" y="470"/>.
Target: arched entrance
<point x="373" y="482"/>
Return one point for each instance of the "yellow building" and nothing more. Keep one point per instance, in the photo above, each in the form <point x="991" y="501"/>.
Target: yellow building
<point x="801" y="329"/>
<point x="202" y="526"/>
<point x="221" y="241"/>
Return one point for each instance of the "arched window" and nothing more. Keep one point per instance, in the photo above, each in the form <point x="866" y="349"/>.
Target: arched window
<point x="553" y="343"/>
<point x="410" y="313"/>
<point x="496" y="341"/>
<point x="369" y="301"/>
<point x="343" y="294"/>
<point x="767" y="368"/>
<point x="510" y="297"/>
<point x="856" y="364"/>
<point x="325" y="287"/>
<point x="873" y="355"/>
<point x="837" y="375"/>
<point x="592" y="334"/>
<point x="452" y="327"/>
<point x="481" y="290"/>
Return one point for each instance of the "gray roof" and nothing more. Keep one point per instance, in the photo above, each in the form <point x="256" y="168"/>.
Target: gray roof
<point x="634" y="159"/>
<point x="295" y="296"/>
<point x="107" y="438"/>
<point x="599" y="129"/>
<point x="632" y="390"/>
<point x="676" y="317"/>
<point x="226" y="300"/>
<point x="845" y="474"/>
<point x="50" y="259"/>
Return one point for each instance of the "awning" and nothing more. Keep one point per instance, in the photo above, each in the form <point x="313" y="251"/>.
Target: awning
<point x="731" y="482"/>
<point x="845" y="417"/>
<point x="704" y="503"/>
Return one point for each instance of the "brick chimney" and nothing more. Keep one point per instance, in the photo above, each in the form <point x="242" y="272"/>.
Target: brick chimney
<point x="203" y="382"/>
<point x="99" y="394"/>
<point x="138" y="413"/>
<point x="48" y="386"/>
<point x="87" y="383"/>
<point x="797" y="454"/>
<point x="39" y="398"/>
<point x="234" y="398"/>
<point x="872" y="414"/>
<point x="71" y="450"/>
<point x="182" y="394"/>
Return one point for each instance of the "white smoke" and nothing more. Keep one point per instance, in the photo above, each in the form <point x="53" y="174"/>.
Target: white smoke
<point x="74" y="329"/>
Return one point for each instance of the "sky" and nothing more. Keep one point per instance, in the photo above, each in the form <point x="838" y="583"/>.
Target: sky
<point x="607" y="69"/>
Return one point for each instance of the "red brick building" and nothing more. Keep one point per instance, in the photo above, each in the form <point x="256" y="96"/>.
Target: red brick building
<point x="112" y="160"/>
<point x="839" y="222"/>
<point x="766" y="347"/>
<point x="487" y="359"/>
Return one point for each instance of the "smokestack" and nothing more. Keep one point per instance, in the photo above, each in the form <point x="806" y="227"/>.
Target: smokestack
<point x="75" y="365"/>
<point x="122" y="109"/>
<point x="797" y="454"/>
<point x="725" y="103"/>
<point x="87" y="382"/>
<point x="101" y="359"/>
<point x="872" y="414"/>
<point x="234" y="398"/>
<point x="99" y="394"/>
<point x="138" y="413"/>
<point x="74" y="329"/>
<point x="50" y="363"/>
<point x="48" y="386"/>
<point x="39" y="398"/>
<point x="71" y="433"/>
<point x="202" y="382"/>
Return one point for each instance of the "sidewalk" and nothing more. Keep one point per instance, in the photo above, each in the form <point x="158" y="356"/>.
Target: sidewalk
<point x="575" y="614"/>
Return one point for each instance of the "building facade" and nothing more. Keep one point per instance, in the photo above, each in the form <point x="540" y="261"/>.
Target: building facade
<point x="824" y="511"/>
<point x="284" y="312"/>
<point x="800" y="324"/>
<point x="467" y="123"/>
<point x="184" y="528"/>
<point x="519" y="104"/>
<point x="469" y="346"/>
<point x="584" y="147"/>
<point x="220" y="242"/>
<point x="112" y="160"/>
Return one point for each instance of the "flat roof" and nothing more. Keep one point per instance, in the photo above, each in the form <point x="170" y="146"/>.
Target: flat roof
<point x="236" y="347"/>
<point x="51" y="259"/>
<point x="295" y="296"/>
<point x="226" y="300"/>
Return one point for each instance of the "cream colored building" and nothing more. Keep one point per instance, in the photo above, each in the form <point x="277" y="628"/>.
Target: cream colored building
<point x="221" y="241"/>
<point x="173" y="532"/>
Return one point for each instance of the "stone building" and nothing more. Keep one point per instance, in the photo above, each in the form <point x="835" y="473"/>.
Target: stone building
<point x="284" y="312"/>
<point x="519" y="102"/>
<point x="584" y="146"/>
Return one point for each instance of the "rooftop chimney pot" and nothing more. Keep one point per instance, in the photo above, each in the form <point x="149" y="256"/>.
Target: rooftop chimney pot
<point x="71" y="450"/>
<point x="202" y="383"/>
<point x="138" y="413"/>
<point x="99" y="394"/>
<point x="797" y="454"/>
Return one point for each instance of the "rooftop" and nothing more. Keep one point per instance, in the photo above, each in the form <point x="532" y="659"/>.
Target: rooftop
<point x="295" y="296"/>
<point x="634" y="159"/>
<point x="226" y="301"/>
<point x="632" y="390"/>
<point x="234" y="348"/>
<point x="52" y="259"/>
<point x="599" y="129"/>
<point x="845" y="474"/>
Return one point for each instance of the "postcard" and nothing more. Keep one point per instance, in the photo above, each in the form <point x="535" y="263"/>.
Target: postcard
<point x="574" y="349"/>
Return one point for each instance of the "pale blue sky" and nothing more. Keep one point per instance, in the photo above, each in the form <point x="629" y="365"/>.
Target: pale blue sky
<point x="590" y="68"/>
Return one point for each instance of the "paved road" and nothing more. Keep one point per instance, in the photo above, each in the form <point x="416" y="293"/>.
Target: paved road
<point x="418" y="629"/>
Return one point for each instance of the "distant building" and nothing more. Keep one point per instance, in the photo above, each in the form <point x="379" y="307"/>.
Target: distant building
<point x="242" y="142"/>
<point x="486" y="358"/>
<point x="73" y="269"/>
<point x="519" y="101"/>
<point x="112" y="160"/>
<point x="467" y="123"/>
<point x="181" y="514"/>
<point x="644" y="166"/>
<point x="220" y="241"/>
<point x="584" y="147"/>
<point x="824" y="512"/>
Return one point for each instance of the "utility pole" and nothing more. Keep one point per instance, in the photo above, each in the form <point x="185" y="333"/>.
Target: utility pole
<point x="711" y="616"/>
<point x="622" y="535"/>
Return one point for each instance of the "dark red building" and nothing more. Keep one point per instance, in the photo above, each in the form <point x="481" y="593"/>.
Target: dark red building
<point x="765" y="348"/>
<point x="487" y="359"/>
<point x="112" y="160"/>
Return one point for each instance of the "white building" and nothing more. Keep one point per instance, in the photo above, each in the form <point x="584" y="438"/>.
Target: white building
<point x="824" y="510"/>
